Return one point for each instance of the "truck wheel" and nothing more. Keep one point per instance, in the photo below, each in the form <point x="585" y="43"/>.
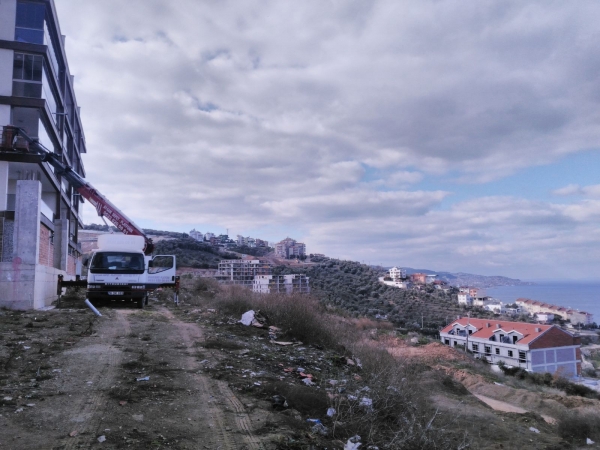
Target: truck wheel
<point x="140" y="303"/>
<point x="146" y="300"/>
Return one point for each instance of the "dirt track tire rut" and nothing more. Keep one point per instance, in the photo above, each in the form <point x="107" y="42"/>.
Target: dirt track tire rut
<point x="220" y="393"/>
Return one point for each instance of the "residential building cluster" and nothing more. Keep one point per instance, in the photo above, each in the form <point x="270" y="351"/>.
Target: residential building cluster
<point x="223" y="240"/>
<point x="257" y="274"/>
<point x="546" y="312"/>
<point x="289" y="248"/>
<point x="534" y="347"/>
<point x="398" y="278"/>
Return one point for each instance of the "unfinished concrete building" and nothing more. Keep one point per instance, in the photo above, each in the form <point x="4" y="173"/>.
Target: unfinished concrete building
<point x="242" y="271"/>
<point x="39" y="211"/>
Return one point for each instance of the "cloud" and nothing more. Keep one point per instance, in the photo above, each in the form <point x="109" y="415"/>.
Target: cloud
<point x="575" y="189"/>
<point x="257" y="115"/>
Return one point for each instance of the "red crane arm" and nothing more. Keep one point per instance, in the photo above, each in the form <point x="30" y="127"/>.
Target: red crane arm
<point x="14" y="139"/>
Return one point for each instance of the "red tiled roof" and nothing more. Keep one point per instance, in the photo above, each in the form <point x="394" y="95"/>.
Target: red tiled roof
<point x="528" y="330"/>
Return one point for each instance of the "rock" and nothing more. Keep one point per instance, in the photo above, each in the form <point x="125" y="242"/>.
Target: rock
<point x="535" y="430"/>
<point x="101" y="438"/>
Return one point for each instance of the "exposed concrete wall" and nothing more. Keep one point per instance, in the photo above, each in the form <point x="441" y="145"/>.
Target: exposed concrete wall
<point x="27" y="221"/>
<point x="8" y="16"/>
<point x="6" y="71"/>
<point x="5" y="113"/>
<point x="61" y="243"/>
<point x="45" y="285"/>
<point x="3" y="184"/>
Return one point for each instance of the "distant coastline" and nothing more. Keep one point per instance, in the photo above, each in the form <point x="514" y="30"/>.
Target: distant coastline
<point x="582" y="296"/>
<point x="472" y="280"/>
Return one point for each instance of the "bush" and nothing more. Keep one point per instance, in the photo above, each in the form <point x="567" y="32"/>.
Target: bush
<point x="576" y="427"/>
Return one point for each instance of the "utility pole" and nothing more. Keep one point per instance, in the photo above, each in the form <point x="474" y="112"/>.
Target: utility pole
<point x="421" y="321"/>
<point x="468" y="318"/>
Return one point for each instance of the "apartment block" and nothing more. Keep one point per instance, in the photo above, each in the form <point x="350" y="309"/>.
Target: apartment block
<point x="289" y="248"/>
<point x="534" y="347"/>
<point x="576" y="317"/>
<point x="39" y="210"/>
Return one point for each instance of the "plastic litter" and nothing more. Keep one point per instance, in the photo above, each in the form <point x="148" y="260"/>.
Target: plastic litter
<point x="313" y="420"/>
<point x="535" y="430"/>
<point x="19" y="410"/>
<point x="353" y="443"/>
<point x="252" y="318"/>
<point x="143" y="379"/>
<point x="307" y="381"/>
<point x="279" y="401"/>
<point x="247" y="318"/>
<point x="588" y="441"/>
<point x="73" y="433"/>
<point x="94" y="310"/>
<point x="283" y="343"/>
<point x="319" y="428"/>
<point x="26" y="348"/>
<point x="101" y="438"/>
<point x="330" y="412"/>
<point x="366" y="402"/>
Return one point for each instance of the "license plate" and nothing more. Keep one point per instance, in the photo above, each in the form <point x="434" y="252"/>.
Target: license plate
<point x="115" y="292"/>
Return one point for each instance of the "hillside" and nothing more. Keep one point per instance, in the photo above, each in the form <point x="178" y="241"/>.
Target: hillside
<point x="192" y="253"/>
<point x="355" y="288"/>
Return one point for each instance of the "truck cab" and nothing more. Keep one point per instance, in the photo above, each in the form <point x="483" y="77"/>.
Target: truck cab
<point x="119" y="271"/>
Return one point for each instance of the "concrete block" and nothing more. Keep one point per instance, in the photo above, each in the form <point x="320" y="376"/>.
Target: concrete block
<point x="27" y="222"/>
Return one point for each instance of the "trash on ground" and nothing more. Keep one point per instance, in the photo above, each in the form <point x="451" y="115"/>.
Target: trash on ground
<point x="319" y="428"/>
<point x="8" y="399"/>
<point x="535" y="430"/>
<point x="353" y="443"/>
<point x="253" y="318"/>
<point x="308" y="382"/>
<point x="73" y="433"/>
<point x="284" y="343"/>
<point x="19" y="410"/>
<point x="143" y="379"/>
<point x="101" y="438"/>
<point x="367" y="402"/>
<point x="588" y="441"/>
<point x="330" y="412"/>
<point x="279" y="401"/>
<point x="26" y="348"/>
<point x="123" y="402"/>
<point x="314" y="420"/>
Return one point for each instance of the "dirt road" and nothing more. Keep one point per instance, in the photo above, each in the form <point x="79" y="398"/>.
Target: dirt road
<point x="88" y="392"/>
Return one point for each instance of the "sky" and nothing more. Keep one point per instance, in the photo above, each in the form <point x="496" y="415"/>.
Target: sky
<point x="439" y="134"/>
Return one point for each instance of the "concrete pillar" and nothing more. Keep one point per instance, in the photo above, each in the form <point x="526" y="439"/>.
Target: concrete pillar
<point x="27" y="221"/>
<point x="3" y="184"/>
<point x="61" y="243"/>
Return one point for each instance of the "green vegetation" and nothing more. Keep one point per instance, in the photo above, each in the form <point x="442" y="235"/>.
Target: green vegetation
<point x="192" y="253"/>
<point x="355" y="288"/>
<point x="254" y="251"/>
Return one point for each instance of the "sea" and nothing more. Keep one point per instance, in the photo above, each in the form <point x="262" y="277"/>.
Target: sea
<point x="584" y="296"/>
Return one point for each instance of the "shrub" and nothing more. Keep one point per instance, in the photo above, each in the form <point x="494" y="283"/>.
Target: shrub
<point x="577" y="427"/>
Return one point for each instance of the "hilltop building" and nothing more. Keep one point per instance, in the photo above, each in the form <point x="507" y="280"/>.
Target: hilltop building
<point x="39" y="210"/>
<point x="196" y="235"/>
<point x="289" y="248"/>
<point x="534" y="347"/>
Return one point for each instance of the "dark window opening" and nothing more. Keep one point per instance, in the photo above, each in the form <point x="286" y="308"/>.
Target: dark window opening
<point x="510" y="353"/>
<point x="522" y="357"/>
<point x="488" y="350"/>
<point x="497" y="351"/>
<point x="117" y="262"/>
<point x="447" y="341"/>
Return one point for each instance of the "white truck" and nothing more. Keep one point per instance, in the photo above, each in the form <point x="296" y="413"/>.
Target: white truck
<point x="118" y="270"/>
<point x="122" y="268"/>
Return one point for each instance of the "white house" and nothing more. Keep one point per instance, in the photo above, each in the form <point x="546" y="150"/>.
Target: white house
<point x="464" y="299"/>
<point x="534" y="347"/>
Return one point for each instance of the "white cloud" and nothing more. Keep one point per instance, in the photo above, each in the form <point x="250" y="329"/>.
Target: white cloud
<point x="262" y="114"/>
<point x="575" y="189"/>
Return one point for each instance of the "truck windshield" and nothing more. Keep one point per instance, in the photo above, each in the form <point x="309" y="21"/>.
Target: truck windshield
<point x="117" y="262"/>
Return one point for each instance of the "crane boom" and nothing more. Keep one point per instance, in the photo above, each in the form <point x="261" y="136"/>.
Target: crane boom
<point x="16" y="141"/>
